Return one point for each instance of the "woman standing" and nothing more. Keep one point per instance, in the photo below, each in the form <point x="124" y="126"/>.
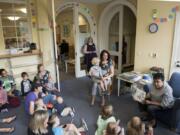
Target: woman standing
<point x="90" y="52"/>
<point x="38" y="124"/>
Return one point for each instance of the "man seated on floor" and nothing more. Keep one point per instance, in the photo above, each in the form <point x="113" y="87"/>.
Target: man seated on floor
<point x="160" y="97"/>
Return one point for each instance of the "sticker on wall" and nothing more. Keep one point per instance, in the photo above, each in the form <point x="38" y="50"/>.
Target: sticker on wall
<point x="170" y="16"/>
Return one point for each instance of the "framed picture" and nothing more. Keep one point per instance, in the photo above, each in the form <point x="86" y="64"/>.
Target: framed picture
<point x="66" y="30"/>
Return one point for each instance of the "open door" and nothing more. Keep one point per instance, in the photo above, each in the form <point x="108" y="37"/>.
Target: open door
<point x="82" y="32"/>
<point x="115" y="39"/>
<point x="78" y="71"/>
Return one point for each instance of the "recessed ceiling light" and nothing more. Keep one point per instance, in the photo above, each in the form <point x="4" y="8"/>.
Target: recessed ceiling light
<point x="13" y="18"/>
<point x="24" y="10"/>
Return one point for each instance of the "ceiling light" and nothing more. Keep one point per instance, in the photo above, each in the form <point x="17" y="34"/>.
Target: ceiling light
<point x="24" y="10"/>
<point x="13" y="18"/>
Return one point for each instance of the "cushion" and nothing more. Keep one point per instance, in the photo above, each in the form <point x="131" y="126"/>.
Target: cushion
<point x="174" y="82"/>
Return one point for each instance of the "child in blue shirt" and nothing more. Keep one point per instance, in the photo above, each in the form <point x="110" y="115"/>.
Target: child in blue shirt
<point x="54" y="121"/>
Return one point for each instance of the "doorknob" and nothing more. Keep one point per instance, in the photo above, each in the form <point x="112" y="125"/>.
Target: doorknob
<point x="177" y="63"/>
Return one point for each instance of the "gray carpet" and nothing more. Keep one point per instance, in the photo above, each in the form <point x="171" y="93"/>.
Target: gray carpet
<point x="76" y="94"/>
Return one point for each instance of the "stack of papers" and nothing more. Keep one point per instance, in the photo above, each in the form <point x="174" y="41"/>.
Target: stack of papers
<point x="131" y="76"/>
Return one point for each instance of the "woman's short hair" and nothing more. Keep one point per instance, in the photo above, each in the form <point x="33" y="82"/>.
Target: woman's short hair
<point x="36" y="123"/>
<point x="107" y="111"/>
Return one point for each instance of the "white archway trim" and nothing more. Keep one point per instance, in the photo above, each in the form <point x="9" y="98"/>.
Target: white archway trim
<point x="89" y="17"/>
<point x="107" y="15"/>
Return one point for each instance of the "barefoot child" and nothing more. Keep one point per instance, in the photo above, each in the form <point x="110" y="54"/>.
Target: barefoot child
<point x="67" y="128"/>
<point x="96" y="74"/>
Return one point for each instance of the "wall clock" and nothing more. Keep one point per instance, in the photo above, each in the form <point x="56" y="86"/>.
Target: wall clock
<point x="153" y="28"/>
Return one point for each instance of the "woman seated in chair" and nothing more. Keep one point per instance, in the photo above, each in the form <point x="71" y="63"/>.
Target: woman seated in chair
<point x="107" y="69"/>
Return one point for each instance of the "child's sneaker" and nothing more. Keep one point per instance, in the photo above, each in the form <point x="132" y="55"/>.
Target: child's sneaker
<point x="73" y="109"/>
<point x="4" y="110"/>
<point x="72" y="114"/>
<point x="84" y="124"/>
<point x="54" y="110"/>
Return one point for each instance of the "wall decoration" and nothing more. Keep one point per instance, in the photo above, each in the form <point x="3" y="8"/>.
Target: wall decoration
<point x="153" y="28"/>
<point x="170" y="16"/>
<point x="154" y="13"/>
<point x="82" y="7"/>
<point x="66" y="30"/>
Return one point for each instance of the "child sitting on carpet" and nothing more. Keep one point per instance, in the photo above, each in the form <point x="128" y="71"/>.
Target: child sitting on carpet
<point x="50" y="86"/>
<point x="96" y="74"/>
<point x="137" y="127"/>
<point x="113" y="128"/>
<point x="9" y="84"/>
<point x="60" y="107"/>
<point x="104" y="118"/>
<point x="3" y="99"/>
<point x="39" y="105"/>
<point x="66" y="129"/>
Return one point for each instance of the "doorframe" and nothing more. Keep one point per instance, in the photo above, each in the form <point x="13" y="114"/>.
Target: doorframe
<point x="90" y="18"/>
<point x="104" y="22"/>
<point x="79" y="8"/>
<point x="176" y="42"/>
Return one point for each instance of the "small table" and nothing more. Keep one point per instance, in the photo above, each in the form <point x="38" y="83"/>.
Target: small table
<point x="70" y="61"/>
<point x="127" y="77"/>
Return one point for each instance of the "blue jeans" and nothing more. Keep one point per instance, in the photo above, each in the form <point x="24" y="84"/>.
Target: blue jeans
<point x="49" y="99"/>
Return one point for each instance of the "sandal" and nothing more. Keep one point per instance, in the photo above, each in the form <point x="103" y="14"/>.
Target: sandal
<point x="9" y="119"/>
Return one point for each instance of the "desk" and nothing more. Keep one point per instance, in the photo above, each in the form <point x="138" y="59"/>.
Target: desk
<point x="70" y="61"/>
<point x="123" y="77"/>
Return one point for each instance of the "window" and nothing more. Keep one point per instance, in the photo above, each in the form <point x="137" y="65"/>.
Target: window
<point x="15" y="23"/>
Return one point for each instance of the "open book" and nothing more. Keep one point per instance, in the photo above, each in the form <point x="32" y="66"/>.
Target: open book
<point x="138" y="95"/>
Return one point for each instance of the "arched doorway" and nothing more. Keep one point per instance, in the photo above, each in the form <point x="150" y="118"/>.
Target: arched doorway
<point x="84" y="25"/>
<point x="117" y="30"/>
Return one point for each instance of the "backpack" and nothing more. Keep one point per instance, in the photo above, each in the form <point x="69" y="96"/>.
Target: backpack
<point x="14" y="102"/>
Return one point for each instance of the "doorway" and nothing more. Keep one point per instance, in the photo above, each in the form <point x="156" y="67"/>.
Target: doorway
<point x="118" y="34"/>
<point x="75" y="26"/>
<point x="66" y="43"/>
